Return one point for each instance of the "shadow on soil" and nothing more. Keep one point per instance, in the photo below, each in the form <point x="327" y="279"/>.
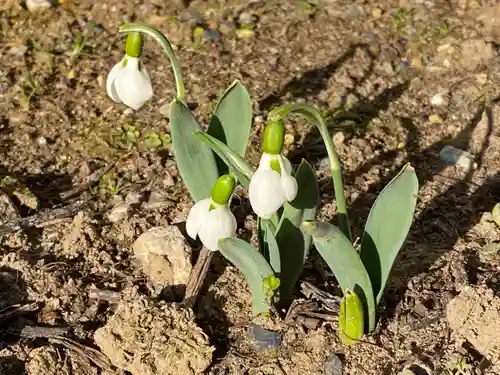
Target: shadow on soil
<point x="11" y="366"/>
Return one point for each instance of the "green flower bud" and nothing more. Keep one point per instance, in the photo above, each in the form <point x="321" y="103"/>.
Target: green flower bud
<point x="274" y="137"/>
<point x="351" y="318"/>
<point x="133" y="47"/>
<point x="223" y="189"/>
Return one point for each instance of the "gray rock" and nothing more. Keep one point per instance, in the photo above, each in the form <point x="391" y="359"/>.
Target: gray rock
<point x="263" y="338"/>
<point x="460" y="158"/>
<point x="333" y="365"/>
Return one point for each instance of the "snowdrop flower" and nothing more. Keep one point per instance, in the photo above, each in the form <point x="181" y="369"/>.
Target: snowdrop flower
<point x="272" y="183"/>
<point x="211" y="219"/>
<point x="129" y="82"/>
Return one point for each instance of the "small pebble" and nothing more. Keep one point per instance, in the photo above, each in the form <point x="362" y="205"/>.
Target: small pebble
<point x="435" y="119"/>
<point x="18" y="51"/>
<point x="41" y="141"/>
<point x="245" y="18"/>
<point x="377" y="12"/>
<point x="333" y="365"/>
<point x="460" y="158"/>
<point x="128" y="112"/>
<point x="34" y="5"/>
<point x="438" y="100"/>
<point x="212" y="35"/>
<point x="262" y="338"/>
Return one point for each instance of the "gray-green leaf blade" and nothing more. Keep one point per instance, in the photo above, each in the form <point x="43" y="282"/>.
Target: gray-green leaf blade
<point x="292" y="242"/>
<point x="253" y="266"/>
<point x="232" y="118"/>
<point x="236" y="163"/>
<point x="387" y="226"/>
<point x="195" y="161"/>
<point x="345" y="263"/>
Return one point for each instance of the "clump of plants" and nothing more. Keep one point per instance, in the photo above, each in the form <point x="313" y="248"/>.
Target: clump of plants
<point x="285" y="199"/>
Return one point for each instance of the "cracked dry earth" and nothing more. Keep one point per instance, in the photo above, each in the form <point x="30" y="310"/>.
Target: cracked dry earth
<point x="82" y="181"/>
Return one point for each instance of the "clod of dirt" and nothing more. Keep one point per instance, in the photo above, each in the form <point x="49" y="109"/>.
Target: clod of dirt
<point x="15" y="188"/>
<point x="164" y="256"/>
<point x="475" y="315"/>
<point x="81" y="236"/>
<point x="46" y="360"/>
<point x="119" y="213"/>
<point x="476" y="53"/>
<point x="8" y="211"/>
<point x="145" y="338"/>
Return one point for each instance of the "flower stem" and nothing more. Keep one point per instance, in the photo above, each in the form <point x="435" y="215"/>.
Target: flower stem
<point x="167" y="48"/>
<point x="313" y="115"/>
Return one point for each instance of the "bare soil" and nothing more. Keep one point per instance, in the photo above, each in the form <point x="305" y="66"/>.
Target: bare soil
<point x="398" y="79"/>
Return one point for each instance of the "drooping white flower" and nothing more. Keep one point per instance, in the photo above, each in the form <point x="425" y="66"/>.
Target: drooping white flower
<point x="211" y="222"/>
<point x="129" y="83"/>
<point x="268" y="189"/>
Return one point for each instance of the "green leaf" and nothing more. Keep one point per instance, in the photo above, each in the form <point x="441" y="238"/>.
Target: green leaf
<point x="253" y="266"/>
<point x="273" y="250"/>
<point x="387" y="226"/>
<point x="345" y="263"/>
<point x="195" y="161"/>
<point x="292" y="242"/>
<point x="232" y="118"/>
<point x="237" y="165"/>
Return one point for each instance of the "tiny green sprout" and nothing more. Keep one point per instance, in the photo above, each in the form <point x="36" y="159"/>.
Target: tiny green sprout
<point x="308" y="6"/>
<point x="198" y="36"/>
<point x="129" y="135"/>
<point x="157" y="140"/>
<point x="460" y="367"/>
<point x="111" y="184"/>
<point x="270" y="283"/>
<point x="82" y="41"/>
<point x="400" y="17"/>
<point x="29" y="88"/>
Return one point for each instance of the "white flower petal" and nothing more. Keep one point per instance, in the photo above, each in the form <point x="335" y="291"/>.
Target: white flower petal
<point x="197" y="216"/>
<point x="110" y="82"/>
<point x="289" y="186"/>
<point x="219" y="223"/>
<point x="285" y="164"/>
<point x="288" y="182"/>
<point x="265" y="192"/>
<point x="133" y="86"/>
<point x="265" y="161"/>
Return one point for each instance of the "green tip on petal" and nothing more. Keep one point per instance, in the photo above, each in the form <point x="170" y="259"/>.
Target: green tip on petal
<point x="223" y="189"/>
<point x="274" y="137"/>
<point x="133" y="47"/>
<point x="275" y="166"/>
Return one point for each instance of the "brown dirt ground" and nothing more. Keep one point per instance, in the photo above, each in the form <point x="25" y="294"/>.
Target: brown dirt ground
<point x="372" y="66"/>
